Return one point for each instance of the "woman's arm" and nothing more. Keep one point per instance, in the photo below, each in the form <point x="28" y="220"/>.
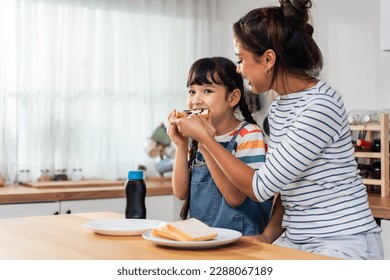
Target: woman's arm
<point x="239" y="173"/>
<point x="233" y="196"/>
<point x="274" y="227"/>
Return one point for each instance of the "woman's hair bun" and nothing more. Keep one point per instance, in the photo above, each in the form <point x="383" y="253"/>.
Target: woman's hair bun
<point x="296" y="12"/>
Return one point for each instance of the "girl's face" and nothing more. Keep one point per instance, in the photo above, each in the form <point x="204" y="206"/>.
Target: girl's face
<point x="252" y="70"/>
<point x="210" y="96"/>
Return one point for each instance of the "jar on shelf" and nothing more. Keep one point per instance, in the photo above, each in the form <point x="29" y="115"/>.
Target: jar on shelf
<point x="354" y="117"/>
<point x="371" y="117"/>
<point x="45" y="176"/>
<point x="2" y="180"/>
<point x="60" y="175"/>
<point x="24" y="176"/>
<point x="77" y="174"/>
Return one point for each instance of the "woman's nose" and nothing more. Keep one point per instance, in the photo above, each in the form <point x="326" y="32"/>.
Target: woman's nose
<point x="238" y="69"/>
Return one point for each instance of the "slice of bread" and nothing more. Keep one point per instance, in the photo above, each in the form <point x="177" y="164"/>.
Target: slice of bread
<point x="186" y="230"/>
<point x="186" y="113"/>
<point x="159" y="232"/>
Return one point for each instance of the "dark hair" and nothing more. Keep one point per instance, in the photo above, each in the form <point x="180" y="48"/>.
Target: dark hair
<point x="221" y="71"/>
<point x="287" y="32"/>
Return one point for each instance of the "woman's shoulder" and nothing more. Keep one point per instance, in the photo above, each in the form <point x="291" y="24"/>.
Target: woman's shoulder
<point x="322" y="90"/>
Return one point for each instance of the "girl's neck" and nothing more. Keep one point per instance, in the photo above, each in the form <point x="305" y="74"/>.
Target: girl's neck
<point x="226" y="126"/>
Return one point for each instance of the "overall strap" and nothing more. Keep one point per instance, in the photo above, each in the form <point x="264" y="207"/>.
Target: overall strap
<point x="233" y="140"/>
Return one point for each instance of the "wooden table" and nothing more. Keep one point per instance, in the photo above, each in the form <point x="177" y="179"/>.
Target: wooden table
<point x="63" y="237"/>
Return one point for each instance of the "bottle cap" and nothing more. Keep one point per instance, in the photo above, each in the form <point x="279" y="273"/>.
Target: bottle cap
<point x="135" y="175"/>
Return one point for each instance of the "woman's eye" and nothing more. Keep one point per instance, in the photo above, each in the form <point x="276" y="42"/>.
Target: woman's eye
<point x="239" y="62"/>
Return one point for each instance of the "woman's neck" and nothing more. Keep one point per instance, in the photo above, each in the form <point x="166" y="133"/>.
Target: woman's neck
<point x="292" y="84"/>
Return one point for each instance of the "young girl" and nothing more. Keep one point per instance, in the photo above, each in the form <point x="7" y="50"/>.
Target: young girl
<point x="214" y="84"/>
<point x="310" y="160"/>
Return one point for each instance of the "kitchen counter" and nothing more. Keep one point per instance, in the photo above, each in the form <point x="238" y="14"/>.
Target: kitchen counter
<point x="22" y="194"/>
<point x="63" y="237"/>
<point x="380" y="206"/>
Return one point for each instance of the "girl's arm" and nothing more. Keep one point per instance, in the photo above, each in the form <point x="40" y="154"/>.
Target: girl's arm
<point x="180" y="173"/>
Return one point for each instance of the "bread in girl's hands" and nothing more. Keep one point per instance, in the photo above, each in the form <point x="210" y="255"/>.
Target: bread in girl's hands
<point x="186" y="230"/>
<point x="185" y="113"/>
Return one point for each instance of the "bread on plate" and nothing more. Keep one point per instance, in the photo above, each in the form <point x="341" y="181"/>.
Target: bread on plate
<point x="186" y="230"/>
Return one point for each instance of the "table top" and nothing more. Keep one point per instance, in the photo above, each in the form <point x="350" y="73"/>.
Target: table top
<point x="64" y="237"/>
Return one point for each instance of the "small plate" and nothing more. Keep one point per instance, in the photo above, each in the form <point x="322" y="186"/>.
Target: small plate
<point x="123" y="227"/>
<point x="225" y="236"/>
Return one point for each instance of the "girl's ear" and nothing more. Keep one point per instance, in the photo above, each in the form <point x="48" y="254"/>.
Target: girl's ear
<point x="234" y="97"/>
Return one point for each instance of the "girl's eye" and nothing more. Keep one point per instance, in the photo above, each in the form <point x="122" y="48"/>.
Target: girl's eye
<point x="208" y="91"/>
<point x="191" y="92"/>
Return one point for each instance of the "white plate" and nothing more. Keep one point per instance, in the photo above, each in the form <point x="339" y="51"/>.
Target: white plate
<point x="225" y="236"/>
<point x="123" y="227"/>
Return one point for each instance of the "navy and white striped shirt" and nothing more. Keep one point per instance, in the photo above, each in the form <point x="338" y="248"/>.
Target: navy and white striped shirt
<point x="310" y="161"/>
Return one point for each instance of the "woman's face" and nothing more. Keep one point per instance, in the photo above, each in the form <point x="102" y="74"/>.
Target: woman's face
<point x="252" y="70"/>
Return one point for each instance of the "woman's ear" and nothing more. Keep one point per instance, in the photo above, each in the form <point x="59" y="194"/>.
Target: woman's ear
<point x="270" y="58"/>
<point x="234" y="97"/>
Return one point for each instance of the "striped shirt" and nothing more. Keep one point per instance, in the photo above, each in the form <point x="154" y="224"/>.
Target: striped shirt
<point x="249" y="146"/>
<point x="311" y="162"/>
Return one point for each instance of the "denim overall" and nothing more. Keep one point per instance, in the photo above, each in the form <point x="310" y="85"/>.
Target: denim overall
<point x="209" y="206"/>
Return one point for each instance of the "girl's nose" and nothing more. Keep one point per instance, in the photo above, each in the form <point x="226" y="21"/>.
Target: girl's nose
<point x="197" y="99"/>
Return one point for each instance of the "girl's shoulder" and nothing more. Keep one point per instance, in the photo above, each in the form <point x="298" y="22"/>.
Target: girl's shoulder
<point x="250" y="127"/>
<point x="250" y="130"/>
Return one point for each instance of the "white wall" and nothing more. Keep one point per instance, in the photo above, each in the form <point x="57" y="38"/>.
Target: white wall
<point x="348" y="33"/>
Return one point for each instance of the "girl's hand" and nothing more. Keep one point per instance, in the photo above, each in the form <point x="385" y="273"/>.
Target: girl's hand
<point x="196" y="127"/>
<point x="177" y="138"/>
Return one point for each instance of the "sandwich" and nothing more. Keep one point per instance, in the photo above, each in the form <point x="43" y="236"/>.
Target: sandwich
<point x="186" y="230"/>
<point x="185" y="113"/>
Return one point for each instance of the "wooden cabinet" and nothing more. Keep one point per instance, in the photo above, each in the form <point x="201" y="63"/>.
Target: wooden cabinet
<point x="161" y="207"/>
<point x="385" y="225"/>
<point x="383" y="130"/>
<point x="15" y="210"/>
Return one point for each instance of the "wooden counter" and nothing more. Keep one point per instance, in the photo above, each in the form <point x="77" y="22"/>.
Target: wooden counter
<point x="20" y="194"/>
<point x="63" y="237"/>
<point x="380" y="205"/>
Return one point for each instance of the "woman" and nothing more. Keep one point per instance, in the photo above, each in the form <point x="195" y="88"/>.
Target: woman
<point x="310" y="159"/>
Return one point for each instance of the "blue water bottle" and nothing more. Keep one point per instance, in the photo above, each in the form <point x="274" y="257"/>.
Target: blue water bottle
<point x="135" y="188"/>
